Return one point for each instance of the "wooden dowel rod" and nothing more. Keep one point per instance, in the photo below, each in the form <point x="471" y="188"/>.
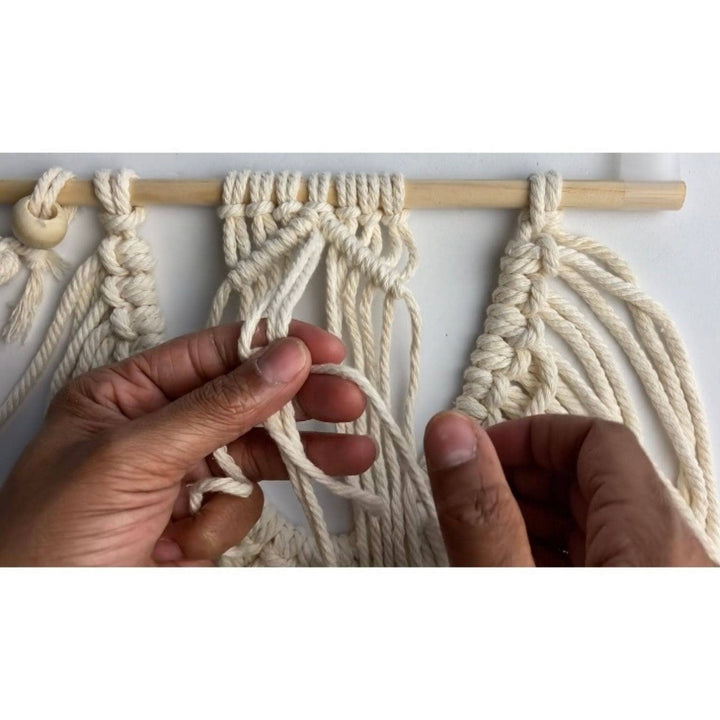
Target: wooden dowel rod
<point x="596" y="194"/>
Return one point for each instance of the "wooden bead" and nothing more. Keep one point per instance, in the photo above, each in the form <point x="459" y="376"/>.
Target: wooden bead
<point x="36" y="232"/>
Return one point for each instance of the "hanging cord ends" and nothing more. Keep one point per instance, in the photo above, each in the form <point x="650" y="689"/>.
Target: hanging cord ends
<point x="39" y="224"/>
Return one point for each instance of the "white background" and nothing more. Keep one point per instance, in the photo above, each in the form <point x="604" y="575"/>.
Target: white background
<point x="399" y="76"/>
<point x="674" y="255"/>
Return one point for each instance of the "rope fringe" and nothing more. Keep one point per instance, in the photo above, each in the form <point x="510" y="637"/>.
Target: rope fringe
<point x="272" y="249"/>
<point x="109" y="309"/>
<point x="515" y="371"/>
<point x="14" y="255"/>
<point x="539" y="351"/>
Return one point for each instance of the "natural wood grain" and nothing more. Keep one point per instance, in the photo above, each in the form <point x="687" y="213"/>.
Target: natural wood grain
<point x="610" y="195"/>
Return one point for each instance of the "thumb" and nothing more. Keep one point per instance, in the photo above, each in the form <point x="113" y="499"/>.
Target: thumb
<point x="480" y="521"/>
<point x="188" y="429"/>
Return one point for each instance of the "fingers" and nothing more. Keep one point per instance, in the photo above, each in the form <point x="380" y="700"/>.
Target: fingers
<point x="593" y="452"/>
<point x="224" y="520"/>
<point x="187" y="362"/>
<point x="545" y="556"/>
<point x="622" y="512"/>
<point x="538" y="485"/>
<point x="329" y="399"/>
<point x="150" y="380"/>
<point x="546" y="524"/>
<point x="259" y="458"/>
<point x="480" y="520"/>
<point x="334" y="454"/>
<point x="549" y="531"/>
<point x="548" y="442"/>
<point x="220" y="523"/>
<point x="147" y="382"/>
<point x="180" y="434"/>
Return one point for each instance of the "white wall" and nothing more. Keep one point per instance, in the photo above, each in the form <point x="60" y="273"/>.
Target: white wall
<point x="675" y="256"/>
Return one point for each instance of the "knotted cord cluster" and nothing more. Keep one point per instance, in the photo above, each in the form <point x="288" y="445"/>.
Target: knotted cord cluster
<point x="16" y="254"/>
<point x="273" y="246"/>
<point x="516" y="370"/>
<point x="109" y="309"/>
<point x="541" y="350"/>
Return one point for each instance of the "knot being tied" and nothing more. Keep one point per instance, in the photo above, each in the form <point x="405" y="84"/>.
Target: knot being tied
<point x="273" y="245"/>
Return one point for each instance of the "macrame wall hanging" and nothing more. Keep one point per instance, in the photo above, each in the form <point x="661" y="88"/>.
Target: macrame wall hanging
<point x="539" y="351"/>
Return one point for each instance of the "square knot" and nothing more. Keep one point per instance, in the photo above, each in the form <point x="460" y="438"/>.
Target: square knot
<point x="121" y="324"/>
<point x="321" y="207"/>
<point x="370" y="219"/>
<point x="287" y="210"/>
<point x="119" y="223"/>
<point x="396" y="219"/>
<point x="232" y="211"/>
<point x="348" y="215"/>
<point x="549" y="254"/>
<point x="259" y="208"/>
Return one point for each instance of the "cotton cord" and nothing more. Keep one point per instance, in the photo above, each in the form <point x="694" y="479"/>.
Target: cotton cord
<point x="273" y="245"/>
<point x="39" y="264"/>
<point x="543" y="347"/>
<point x="109" y="309"/>
<point x="516" y="370"/>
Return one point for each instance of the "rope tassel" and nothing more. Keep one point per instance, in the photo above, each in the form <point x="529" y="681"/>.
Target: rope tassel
<point x="26" y="250"/>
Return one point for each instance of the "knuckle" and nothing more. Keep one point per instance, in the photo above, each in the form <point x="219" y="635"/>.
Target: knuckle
<point x="226" y="398"/>
<point x="207" y="352"/>
<point x="609" y="430"/>
<point x="74" y="399"/>
<point x="227" y="353"/>
<point x="609" y="445"/>
<point x="476" y="508"/>
<point x="67" y="397"/>
<point x="84" y="395"/>
<point x="196" y="355"/>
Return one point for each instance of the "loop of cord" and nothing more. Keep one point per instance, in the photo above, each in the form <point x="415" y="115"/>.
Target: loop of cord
<point x="109" y="309"/>
<point x="273" y="245"/>
<point x="515" y="370"/>
<point x="39" y="263"/>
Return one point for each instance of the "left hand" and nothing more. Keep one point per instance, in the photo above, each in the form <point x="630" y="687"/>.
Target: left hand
<point x="104" y="481"/>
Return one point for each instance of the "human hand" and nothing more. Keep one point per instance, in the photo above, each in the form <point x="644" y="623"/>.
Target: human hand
<point x="104" y="481"/>
<point x="552" y="490"/>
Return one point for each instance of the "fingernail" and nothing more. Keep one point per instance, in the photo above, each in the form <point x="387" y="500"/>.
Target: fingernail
<point x="167" y="550"/>
<point x="450" y="441"/>
<point x="282" y="360"/>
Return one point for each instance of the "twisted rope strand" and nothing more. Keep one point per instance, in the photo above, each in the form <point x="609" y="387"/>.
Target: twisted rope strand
<point x="39" y="263"/>
<point x="272" y="250"/>
<point x="110" y="305"/>
<point x="273" y="245"/>
<point x="513" y="370"/>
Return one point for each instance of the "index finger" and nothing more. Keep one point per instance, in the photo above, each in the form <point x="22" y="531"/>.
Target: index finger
<point x="167" y="372"/>
<point x="550" y="442"/>
<point x="189" y="361"/>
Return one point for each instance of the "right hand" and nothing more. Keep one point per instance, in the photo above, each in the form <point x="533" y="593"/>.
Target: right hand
<point x="552" y="490"/>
